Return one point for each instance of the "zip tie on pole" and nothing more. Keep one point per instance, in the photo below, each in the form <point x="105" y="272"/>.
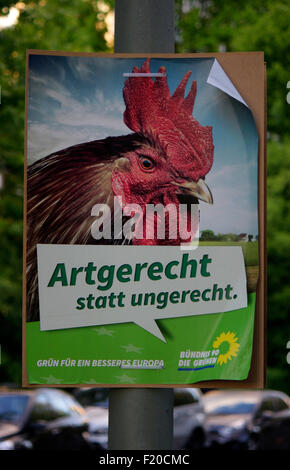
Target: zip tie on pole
<point x="144" y="74"/>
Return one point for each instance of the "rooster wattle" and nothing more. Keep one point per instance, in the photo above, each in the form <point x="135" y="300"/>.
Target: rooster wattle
<point x="164" y="161"/>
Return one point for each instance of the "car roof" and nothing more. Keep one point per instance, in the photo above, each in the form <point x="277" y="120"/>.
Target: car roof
<point x="249" y="394"/>
<point x="16" y="391"/>
<point x="29" y="392"/>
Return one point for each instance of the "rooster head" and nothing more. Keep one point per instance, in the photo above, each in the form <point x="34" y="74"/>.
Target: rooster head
<point x="175" y="151"/>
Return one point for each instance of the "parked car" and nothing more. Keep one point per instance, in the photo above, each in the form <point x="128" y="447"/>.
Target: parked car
<point x="188" y="416"/>
<point x="41" y="419"/>
<point x="188" y="419"/>
<point x="275" y="432"/>
<point x="235" y="418"/>
<point x="96" y="404"/>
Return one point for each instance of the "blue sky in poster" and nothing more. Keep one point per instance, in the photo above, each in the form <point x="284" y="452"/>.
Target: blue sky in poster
<point x="75" y="99"/>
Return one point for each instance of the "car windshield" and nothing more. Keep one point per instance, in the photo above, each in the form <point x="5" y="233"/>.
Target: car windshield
<point x="12" y="407"/>
<point x="229" y="406"/>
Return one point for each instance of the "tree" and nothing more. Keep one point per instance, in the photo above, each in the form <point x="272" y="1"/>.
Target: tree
<point x="230" y="237"/>
<point x="207" y="235"/>
<point x="278" y="262"/>
<point x="260" y="25"/>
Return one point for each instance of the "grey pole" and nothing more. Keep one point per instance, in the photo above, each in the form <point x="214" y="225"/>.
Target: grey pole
<point x="144" y="26"/>
<point x="142" y="418"/>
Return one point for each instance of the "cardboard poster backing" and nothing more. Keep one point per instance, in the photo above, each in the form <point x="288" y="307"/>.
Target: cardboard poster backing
<point x="247" y="71"/>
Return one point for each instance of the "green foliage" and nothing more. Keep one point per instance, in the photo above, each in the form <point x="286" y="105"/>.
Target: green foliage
<point x="207" y="235"/>
<point x="259" y="25"/>
<point x="278" y="258"/>
<point x="210" y="235"/>
<point x="4" y="6"/>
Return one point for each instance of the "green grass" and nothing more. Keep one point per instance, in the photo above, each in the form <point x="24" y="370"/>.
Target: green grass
<point x="250" y="250"/>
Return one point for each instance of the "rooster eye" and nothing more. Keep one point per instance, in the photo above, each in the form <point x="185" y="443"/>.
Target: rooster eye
<point x="146" y="163"/>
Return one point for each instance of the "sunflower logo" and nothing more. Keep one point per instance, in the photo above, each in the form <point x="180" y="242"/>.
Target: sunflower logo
<point x="228" y="346"/>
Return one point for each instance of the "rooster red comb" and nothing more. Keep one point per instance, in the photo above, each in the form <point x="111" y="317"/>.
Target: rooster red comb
<point x="168" y="122"/>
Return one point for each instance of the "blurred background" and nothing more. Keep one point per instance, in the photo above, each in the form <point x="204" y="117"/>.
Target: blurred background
<point x="88" y="26"/>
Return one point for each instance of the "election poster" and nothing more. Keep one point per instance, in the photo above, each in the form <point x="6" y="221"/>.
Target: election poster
<point x="143" y="220"/>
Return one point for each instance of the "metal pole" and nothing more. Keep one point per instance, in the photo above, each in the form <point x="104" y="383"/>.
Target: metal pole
<point x="142" y="418"/>
<point x="144" y="26"/>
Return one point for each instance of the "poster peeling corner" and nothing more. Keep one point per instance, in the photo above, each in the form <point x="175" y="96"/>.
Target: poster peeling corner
<point x="218" y="78"/>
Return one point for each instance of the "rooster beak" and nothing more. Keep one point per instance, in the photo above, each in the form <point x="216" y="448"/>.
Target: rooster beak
<point x="200" y="190"/>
